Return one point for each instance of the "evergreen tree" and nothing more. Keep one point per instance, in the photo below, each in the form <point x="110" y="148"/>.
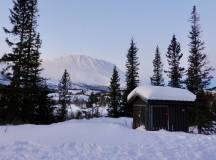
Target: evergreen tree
<point x="19" y="18"/>
<point x="199" y="76"/>
<point x="157" y="78"/>
<point x="115" y="95"/>
<point x="91" y="101"/>
<point x="35" y="67"/>
<point x="25" y="44"/>
<point x="44" y="108"/>
<point x="175" y="72"/>
<point x="198" y="73"/>
<point x="64" y="95"/>
<point x="132" y="77"/>
<point x="24" y="62"/>
<point x="34" y="87"/>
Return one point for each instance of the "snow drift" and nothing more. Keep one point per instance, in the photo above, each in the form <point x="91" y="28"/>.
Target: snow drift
<point x="101" y="139"/>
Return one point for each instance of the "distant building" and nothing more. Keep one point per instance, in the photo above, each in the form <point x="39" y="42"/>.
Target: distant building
<point x="157" y="107"/>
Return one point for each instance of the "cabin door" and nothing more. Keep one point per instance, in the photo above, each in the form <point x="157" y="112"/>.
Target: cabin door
<point x="138" y="116"/>
<point x="160" y="117"/>
<point x="178" y="118"/>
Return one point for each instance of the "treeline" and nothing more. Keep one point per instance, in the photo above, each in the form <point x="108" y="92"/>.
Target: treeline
<point x="88" y="109"/>
<point x="26" y="98"/>
<point x="196" y="78"/>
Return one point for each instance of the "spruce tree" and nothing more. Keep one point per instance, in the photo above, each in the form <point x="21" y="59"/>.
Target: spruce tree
<point x="64" y="95"/>
<point x="24" y="62"/>
<point x="198" y="73"/>
<point x="199" y="76"/>
<point x="25" y="43"/>
<point x="115" y="95"/>
<point x="45" y="103"/>
<point x="132" y="77"/>
<point x="91" y="100"/>
<point x="19" y="18"/>
<point x="157" y="78"/>
<point x="175" y="72"/>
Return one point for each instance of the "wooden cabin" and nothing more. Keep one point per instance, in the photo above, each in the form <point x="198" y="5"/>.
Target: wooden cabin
<point x="157" y="107"/>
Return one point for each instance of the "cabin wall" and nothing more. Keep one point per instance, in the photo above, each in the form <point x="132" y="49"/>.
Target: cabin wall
<point x="178" y="119"/>
<point x="155" y="115"/>
<point x="172" y="117"/>
<point x="159" y="117"/>
<point x="139" y="113"/>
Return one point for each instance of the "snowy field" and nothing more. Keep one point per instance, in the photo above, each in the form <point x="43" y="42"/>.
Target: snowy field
<point x="101" y="139"/>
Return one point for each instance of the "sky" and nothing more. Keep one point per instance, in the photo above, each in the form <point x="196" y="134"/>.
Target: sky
<point x="103" y="29"/>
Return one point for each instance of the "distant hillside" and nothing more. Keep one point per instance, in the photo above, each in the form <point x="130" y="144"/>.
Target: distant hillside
<point x="82" y="69"/>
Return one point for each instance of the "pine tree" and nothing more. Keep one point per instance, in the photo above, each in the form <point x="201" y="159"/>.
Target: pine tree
<point x="25" y="48"/>
<point x="157" y="78"/>
<point x="199" y="76"/>
<point x="115" y="95"/>
<point x="35" y="69"/>
<point x="19" y="18"/>
<point x="33" y="88"/>
<point x="64" y="95"/>
<point x="132" y="77"/>
<point x="24" y="62"/>
<point x="91" y="100"/>
<point x="175" y="72"/>
<point x="45" y="103"/>
<point x="198" y="73"/>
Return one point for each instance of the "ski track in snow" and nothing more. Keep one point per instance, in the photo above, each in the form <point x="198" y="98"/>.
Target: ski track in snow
<point x="101" y="139"/>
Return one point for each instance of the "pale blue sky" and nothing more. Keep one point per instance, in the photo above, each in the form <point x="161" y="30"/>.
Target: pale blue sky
<point x="103" y="28"/>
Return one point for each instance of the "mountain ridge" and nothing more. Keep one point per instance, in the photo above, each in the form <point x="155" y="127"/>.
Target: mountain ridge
<point x="82" y="69"/>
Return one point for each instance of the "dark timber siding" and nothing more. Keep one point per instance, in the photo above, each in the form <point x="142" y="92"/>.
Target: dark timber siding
<point x="155" y="115"/>
<point x="160" y="117"/>
<point x="178" y="118"/>
<point x="139" y="114"/>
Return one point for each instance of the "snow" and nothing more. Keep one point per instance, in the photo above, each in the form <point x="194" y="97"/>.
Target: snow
<point x="83" y="69"/>
<point x="80" y="97"/>
<point x="103" y="111"/>
<point x="3" y="79"/>
<point x="162" y="93"/>
<point x="101" y="139"/>
<point x="73" y="110"/>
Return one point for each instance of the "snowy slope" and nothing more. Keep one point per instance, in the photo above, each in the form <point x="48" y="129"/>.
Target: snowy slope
<point x="83" y="69"/>
<point x="101" y="139"/>
<point x="3" y="79"/>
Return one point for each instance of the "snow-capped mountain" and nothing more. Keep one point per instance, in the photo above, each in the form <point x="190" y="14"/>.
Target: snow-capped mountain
<point x="82" y="69"/>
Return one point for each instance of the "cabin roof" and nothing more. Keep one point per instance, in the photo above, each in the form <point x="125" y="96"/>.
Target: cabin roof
<point x="161" y="93"/>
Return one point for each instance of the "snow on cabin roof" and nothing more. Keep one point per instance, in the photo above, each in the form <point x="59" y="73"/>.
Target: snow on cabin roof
<point x="161" y="93"/>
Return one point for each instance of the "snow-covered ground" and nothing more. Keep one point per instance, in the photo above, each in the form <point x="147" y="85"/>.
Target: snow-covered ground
<point x="101" y="139"/>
